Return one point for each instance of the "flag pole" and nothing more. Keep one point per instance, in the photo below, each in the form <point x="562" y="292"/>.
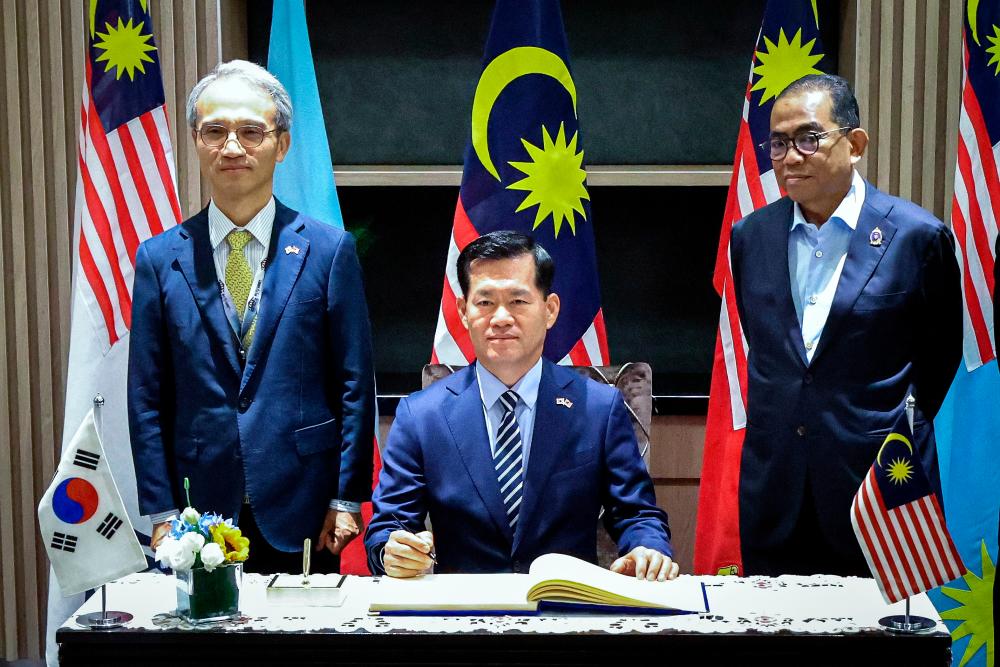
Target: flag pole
<point x="907" y="624"/>
<point x="104" y="619"/>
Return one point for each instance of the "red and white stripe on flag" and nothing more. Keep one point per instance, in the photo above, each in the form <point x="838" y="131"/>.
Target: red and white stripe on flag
<point x="125" y="194"/>
<point x="974" y="214"/>
<point x="908" y="548"/>
<point x="717" y="547"/>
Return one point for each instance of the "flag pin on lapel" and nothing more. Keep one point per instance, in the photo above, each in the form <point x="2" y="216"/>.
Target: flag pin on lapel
<point x="875" y="238"/>
<point x="291" y="249"/>
<point x="565" y="402"/>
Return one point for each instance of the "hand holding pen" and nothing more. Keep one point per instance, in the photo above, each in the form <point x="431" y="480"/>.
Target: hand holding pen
<point x="408" y="554"/>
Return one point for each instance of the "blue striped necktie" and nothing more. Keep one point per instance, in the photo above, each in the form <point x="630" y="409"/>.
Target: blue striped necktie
<point x="508" y="459"/>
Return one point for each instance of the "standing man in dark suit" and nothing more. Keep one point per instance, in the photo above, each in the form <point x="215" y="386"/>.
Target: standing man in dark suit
<point x="250" y="368"/>
<point x="850" y="301"/>
<point x="513" y="457"/>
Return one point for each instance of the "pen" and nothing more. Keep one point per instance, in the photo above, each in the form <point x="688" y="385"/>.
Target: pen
<point x="400" y="525"/>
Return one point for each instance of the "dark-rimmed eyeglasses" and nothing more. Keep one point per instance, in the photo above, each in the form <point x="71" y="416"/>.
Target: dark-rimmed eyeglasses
<point x="806" y="143"/>
<point x="249" y="136"/>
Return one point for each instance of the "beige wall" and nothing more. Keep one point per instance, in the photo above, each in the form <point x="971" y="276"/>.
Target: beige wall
<point x="903" y="55"/>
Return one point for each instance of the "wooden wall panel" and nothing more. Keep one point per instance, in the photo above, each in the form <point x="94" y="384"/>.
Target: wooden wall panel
<point x="906" y="69"/>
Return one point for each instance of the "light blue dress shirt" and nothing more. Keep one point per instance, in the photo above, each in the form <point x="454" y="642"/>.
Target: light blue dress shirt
<point x="490" y="390"/>
<point x="816" y="259"/>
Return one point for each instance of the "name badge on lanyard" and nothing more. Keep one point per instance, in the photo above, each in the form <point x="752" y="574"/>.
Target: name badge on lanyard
<point x="240" y="329"/>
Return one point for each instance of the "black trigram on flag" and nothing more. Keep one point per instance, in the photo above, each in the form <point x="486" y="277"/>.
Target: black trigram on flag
<point x="86" y="459"/>
<point x="109" y="526"/>
<point x="64" y="542"/>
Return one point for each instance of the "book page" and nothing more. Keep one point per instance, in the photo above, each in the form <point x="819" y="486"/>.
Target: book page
<point x="453" y="592"/>
<point x="565" y="578"/>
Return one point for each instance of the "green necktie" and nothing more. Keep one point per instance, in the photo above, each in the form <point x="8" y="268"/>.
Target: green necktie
<point x="239" y="277"/>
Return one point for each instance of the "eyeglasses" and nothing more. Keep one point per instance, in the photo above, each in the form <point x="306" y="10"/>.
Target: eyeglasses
<point x="806" y="143"/>
<point x="249" y="136"/>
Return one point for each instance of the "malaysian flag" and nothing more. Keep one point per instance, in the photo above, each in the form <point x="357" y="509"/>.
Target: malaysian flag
<point x="968" y="422"/>
<point x="126" y="193"/>
<point x="900" y="524"/>
<point x="788" y="48"/>
<point x="524" y="172"/>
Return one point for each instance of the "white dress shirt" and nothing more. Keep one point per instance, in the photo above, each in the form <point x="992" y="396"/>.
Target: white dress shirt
<point x="816" y="259"/>
<point x="490" y="390"/>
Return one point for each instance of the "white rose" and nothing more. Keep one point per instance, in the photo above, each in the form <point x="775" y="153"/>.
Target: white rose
<point x="190" y="515"/>
<point x="212" y="556"/>
<point x="166" y="550"/>
<point x="192" y="542"/>
<point x="182" y="559"/>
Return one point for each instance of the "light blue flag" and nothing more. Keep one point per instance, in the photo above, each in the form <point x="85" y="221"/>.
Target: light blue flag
<point x="967" y="430"/>
<point x="304" y="181"/>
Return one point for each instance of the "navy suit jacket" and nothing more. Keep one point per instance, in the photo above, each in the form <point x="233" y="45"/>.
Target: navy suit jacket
<point x="437" y="461"/>
<point x="294" y="421"/>
<point x="895" y="327"/>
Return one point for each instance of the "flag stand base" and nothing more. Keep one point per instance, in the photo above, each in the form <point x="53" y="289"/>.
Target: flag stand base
<point x="906" y="624"/>
<point x="103" y="619"/>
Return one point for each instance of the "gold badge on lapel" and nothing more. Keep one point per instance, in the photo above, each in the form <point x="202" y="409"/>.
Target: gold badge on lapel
<point x="565" y="402"/>
<point x="875" y="238"/>
<point x="291" y="249"/>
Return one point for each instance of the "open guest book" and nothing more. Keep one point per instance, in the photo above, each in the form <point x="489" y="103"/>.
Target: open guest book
<point x="554" y="582"/>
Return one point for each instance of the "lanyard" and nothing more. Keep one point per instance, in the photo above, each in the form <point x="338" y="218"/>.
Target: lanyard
<point x="240" y="329"/>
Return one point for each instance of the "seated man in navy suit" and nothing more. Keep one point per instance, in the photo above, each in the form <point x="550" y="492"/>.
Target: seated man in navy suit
<point x="513" y="457"/>
<point x="850" y="302"/>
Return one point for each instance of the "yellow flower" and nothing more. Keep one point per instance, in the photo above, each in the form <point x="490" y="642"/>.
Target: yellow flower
<point x="231" y="541"/>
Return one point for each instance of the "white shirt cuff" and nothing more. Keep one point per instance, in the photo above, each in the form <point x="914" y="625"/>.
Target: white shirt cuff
<point x="160" y="517"/>
<point x="345" y="506"/>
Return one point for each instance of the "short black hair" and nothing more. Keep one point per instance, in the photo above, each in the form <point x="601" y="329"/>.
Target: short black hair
<point x="504" y="244"/>
<point x="844" y="106"/>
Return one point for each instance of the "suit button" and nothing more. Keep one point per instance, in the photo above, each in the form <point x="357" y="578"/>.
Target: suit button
<point x="808" y="378"/>
<point x="801" y="430"/>
<point x="244" y="404"/>
<point x="243" y="354"/>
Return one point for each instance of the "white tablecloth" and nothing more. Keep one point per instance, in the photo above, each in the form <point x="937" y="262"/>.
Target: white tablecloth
<point x="818" y="604"/>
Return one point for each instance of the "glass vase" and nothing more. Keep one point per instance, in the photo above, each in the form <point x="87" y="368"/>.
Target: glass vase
<point x="204" y="597"/>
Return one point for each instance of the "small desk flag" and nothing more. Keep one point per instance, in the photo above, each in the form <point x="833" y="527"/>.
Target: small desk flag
<point x="899" y="522"/>
<point x="84" y="524"/>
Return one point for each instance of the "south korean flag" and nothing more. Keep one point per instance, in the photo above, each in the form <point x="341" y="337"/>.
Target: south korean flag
<point x="86" y="530"/>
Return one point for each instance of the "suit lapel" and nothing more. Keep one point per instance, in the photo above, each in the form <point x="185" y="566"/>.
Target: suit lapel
<point x="549" y="440"/>
<point x="282" y="271"/>
<point x="464" y="414"/>
<point x="859" y="265"/>
<point x="776" y="270"/>
<point x="194" y="256"/>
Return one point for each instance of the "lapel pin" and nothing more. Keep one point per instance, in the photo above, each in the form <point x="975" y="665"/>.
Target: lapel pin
<point x="291" y="249"/>
<point x="565" y="402"/>
<point x="875" y="238"/>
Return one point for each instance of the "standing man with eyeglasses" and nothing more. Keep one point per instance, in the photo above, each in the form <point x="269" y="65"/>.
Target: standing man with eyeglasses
<point x="250" y="368"/>
<point x="850" y="301"/>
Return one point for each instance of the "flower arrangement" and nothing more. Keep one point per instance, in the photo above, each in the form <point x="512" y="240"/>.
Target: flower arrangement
<point x="202" y="540"/>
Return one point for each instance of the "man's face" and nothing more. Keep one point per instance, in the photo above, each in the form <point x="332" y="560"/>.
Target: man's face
<point x="233" y="170"/>
<point x="815" y="181"/>
<point x="507" y="315"/>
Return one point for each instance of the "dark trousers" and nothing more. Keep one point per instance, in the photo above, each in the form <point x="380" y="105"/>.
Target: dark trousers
<point x="265" y="559"/>
<point x="806" y="551"/>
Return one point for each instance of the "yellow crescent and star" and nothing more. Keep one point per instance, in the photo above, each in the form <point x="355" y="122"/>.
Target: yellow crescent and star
<point x="555" y="176"/>
<point x="900" y="470"/>
<point x="124" y="45"/>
